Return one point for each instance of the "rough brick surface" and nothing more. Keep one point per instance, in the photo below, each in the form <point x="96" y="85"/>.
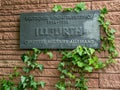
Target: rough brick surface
<point x="10" y="53"/>
<point x="111" y="5"/>
<point x="113" y="17"/>
<point x="113" y="68"/>
<point x="60" y="1"/>
<point x="11" y="35"/>
<point x="110" y="81"/>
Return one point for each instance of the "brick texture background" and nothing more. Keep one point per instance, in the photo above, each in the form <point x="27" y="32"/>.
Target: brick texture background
<point x="10" y="10"/>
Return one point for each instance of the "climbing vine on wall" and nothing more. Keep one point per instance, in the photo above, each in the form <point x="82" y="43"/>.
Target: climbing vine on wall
<point x="74" y="65"/>
<point x="83" y="60"/>
<point x="27" y="80"/>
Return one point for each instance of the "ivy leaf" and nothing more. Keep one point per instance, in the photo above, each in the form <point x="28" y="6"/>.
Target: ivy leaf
<point x="34" y="56"/>
<point x="25" y="58"/>
<point x="80" y="64"/>
<point x="61" y="85"/>
<point x="104" y="11"/>
<point x="71" y="75"/>
<point x="62" y="76"/>
<point x="34" y="84"/>
<point x="37" y="51"/>
<point x="112" y="31"/>
<point x="62" y="64"/>
<point x="15" y="88"/>
<point x="23" y="78"/>
<point x="89" y="68"/>
<point x="40" y="66"/>
<point x="68" y="9"/>
<point x="91" y="61"/>
<point x="50" y="54"/>
<point x="42" y="84"/>
<point x="7" y="88"/>
<point x="25" y="69"/>
<point x="91" y="50"/>
<point x="79" y="7"/>
<point x="79" y="50"/>
<point x="57" y="8"/>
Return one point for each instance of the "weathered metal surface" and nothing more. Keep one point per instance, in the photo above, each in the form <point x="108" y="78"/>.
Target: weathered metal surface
<point x="62" y="30"/>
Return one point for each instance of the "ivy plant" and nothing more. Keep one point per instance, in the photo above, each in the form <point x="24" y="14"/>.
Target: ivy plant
<point x="26" y="81"/>
<point x="82" y="59"/>
<point x="9" y="84"/>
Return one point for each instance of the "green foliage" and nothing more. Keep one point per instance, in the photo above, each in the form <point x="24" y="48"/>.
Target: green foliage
<point x="79" y="7"/>
<point x="30" y="59"/>
<point x="26" y="81"/>
<point x="80" y="60"/>
<point x="83" y="59"/>
<point x="108" y="39"/>
<point x="29" y="82"/>
<point x="81" y="83"/>
<point x="50" y="54"/>
<point x="57" y="8"/>
<point x="61" y="85"/>
<point x="8" y="84"/>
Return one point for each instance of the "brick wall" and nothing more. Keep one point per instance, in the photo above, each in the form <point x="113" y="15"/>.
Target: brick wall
<point x="107" y="79"/>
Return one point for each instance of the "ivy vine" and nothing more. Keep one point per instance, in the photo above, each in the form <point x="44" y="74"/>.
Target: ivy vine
<point x="74" y="65"/>
<point x="26" y="81"/>
<point x="82" y="59"/>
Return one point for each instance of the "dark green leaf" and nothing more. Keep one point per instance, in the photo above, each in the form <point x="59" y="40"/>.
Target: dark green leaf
<point x="40" y="66"/>
<point x="57" y="8"/>
<point x="104" y="11"/>
<point x="89" y="68"/>
<point x="50" y="54"/>
<point x="42" y="84"/>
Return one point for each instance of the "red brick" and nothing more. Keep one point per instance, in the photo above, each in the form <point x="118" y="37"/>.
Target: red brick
<point x="61" y="1"/>
<point x="113" y="17"/>
<point x="16" y="57"/>
<point x="0" y="4"/>
<point x="84" y="0"/>
<point x="12" y="52"/>
<point x="92" y="75"/>
<point x="12" y="18"/>
<point x="93" y="83"/>
<point x="9" y="47"/>
<point x="112" y="68"/>
<point x="9" y="24"/>
<point x="100" y="89"/>
<point x="110" y="5"/>
<point x="25" y="2"/>
<point x="53" y="81"/>
<point x="9" y="42"/>
<point x="36" y="72"/>
<point x="14" y="2"/>
<point x="9" y="29"/>
<point x="110" y="81"/>
<point x="10" y="57"/>
<point x="43" y="56"/>
<point x="35" y="6"/>
<point x="13" y="63"/>
<point x="1" y="35"/>
<point x="5" y="12"/>
<point x="16" y="12"/>
<point x="43" y="1"/>
<point x="11" y="35"/>
<point x="6" y="2"/>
